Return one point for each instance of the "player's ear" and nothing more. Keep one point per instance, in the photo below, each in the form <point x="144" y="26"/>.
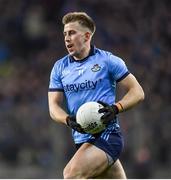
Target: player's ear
<point x="87" y="36"/>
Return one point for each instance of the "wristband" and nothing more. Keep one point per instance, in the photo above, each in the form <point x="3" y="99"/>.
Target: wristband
<point x="119" y="106"/>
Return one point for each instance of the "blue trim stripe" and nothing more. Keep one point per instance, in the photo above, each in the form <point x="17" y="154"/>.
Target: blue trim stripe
<point x="107" y="133"/>
<point x="121" y="78"/>
<point x="55" y="89"/>
<point x="110" y="133"/>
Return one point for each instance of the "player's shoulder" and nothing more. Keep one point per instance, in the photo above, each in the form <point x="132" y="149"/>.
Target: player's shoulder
<point x="102" y="52"/>
<point x="107" y="54"/>
<point x="60" y="64"/>
<point x="61" y="61"/>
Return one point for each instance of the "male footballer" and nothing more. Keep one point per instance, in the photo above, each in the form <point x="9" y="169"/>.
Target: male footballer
<point x="85" y="74"/>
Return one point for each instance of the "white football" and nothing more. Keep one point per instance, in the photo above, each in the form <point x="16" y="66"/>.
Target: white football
<point x="89" y="117"/>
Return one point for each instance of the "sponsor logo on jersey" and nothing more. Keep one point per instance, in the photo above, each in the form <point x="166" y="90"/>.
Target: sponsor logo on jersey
<point x="96" y="68"/>
<point x="86" y="85"/>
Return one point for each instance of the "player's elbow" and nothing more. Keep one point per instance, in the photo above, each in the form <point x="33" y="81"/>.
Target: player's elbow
<point x="141" y="95"/>
<point x="51" y="114"/>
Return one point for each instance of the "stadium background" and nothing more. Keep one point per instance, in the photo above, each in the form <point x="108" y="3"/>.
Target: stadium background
<point x="31" y="39"/>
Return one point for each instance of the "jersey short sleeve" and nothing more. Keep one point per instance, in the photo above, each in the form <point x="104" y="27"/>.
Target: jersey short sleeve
<point x="117" y="68"/>
<point x="55" y="83"/>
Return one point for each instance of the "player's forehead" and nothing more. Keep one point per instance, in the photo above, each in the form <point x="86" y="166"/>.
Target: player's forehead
<point x="73" y="26"/>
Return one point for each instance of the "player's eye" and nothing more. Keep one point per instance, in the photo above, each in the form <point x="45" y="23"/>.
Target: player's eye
<point x="69" y="33"/>
<point x="72" y="32"/>
<point x="64" y="34"/>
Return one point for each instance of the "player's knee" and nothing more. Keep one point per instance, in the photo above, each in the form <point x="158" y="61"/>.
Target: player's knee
<point x="74" y="172"/>
<point x="67" y="172"/>
<point x="118" y="170"/>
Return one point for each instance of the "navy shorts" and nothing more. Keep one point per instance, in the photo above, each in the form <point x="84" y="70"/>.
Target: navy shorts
<point x="112" y="145"/>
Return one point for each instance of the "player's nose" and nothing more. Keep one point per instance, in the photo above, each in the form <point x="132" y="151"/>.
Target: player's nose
<point x="67" y="38"/>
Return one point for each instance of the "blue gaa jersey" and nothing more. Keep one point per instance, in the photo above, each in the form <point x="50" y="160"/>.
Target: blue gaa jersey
<point x="90" y="79"/>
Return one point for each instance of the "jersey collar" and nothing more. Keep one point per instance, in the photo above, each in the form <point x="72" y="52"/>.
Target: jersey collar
<point x="92" y="52"/>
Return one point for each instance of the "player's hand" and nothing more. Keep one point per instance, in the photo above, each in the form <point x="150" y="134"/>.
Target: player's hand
<point x="110" y="112"/>
<point x="71" y="122"/>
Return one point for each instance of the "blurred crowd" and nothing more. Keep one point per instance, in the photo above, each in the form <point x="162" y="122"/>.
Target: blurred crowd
<point x="31" y="40"/>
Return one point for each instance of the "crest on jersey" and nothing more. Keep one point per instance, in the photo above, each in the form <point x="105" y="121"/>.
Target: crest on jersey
<point x="96" y="68"/>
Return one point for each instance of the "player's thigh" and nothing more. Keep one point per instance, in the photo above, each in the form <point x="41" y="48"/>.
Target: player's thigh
<point x="115" y="171"/>
<point x="89" y="161"/>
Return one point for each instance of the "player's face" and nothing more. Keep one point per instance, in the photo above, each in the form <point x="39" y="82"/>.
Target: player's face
<point x="74" y="35"/>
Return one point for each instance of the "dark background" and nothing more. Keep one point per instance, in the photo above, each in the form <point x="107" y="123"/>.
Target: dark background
<point x="31" y="40"/>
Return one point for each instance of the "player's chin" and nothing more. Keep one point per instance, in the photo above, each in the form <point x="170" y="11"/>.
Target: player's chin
<point x="71" y="53"/>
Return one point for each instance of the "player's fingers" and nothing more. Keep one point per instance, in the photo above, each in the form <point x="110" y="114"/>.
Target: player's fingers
<point x="102" y="103"/>
<point x="80" y="129"/>
<point x="105" y="116"/>
<point x="73" y="118"/>
<point x="102" y="110"/>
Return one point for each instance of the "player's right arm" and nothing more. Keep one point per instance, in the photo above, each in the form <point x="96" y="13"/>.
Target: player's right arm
<point x="55" y="100"/>
<point x="57" y="113"/>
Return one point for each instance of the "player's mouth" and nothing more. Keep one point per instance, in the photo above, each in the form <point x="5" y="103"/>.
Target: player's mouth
<point x="70" y="47"/>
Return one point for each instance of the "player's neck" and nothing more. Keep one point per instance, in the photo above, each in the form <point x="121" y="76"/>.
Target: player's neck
<point x="84" y="53"/>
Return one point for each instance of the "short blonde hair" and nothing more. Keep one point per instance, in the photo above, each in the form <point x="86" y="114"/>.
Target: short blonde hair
<point x="80" y="17"/>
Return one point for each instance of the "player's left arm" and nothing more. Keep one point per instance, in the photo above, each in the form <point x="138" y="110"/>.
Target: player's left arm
<point x="134" y="93"/>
